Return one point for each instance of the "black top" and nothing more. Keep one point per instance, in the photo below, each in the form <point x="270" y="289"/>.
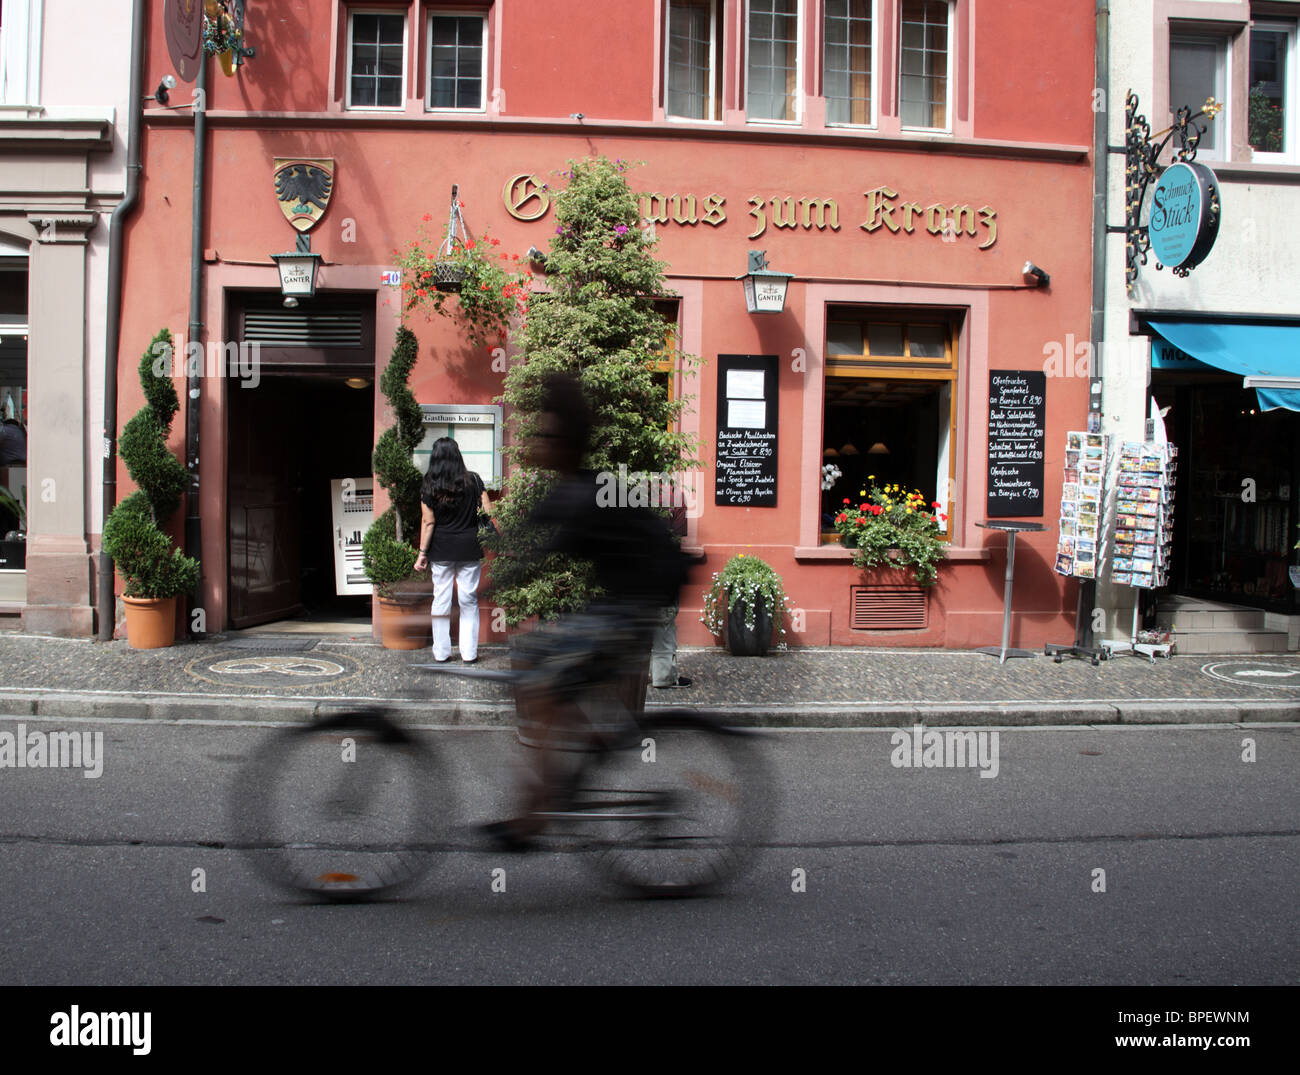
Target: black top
<point x="455" y="529"/>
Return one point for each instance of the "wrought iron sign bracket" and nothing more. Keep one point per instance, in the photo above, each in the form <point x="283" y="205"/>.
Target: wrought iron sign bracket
<point x="1142" y="153"/>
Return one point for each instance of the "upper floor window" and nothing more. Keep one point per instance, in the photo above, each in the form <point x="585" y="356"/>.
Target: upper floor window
<point x="772" y="52"/>
<point x="1198" y="69"/>
<point x="457" y="61"/>
<point x="692" y="80"/>
<point x="925" y="64"/>
<point x="847" y="69"/>
<point x="18" y="78"/>
<point x="1271" y="102"/>
<point x="376" y="59"/>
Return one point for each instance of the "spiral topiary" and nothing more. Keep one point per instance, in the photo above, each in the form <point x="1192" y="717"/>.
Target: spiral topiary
<point x="387" y="552"/>
<point x="144" y="556"/>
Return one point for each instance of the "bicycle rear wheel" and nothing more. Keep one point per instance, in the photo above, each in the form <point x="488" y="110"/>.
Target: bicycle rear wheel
<point x="342" y="809"/>
<point x="679" y="811"/>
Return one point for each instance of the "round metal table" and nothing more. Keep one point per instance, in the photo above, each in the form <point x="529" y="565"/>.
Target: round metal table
<point x="1012" y="529"/>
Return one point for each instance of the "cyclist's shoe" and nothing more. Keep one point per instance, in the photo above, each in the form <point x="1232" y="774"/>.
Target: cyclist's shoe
<point x="504" y="836"/>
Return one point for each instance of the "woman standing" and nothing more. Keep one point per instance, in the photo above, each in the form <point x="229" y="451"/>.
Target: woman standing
<point x="450" y="500"/>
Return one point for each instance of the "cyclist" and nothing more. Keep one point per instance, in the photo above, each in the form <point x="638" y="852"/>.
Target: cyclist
<point x="638" y="569"/>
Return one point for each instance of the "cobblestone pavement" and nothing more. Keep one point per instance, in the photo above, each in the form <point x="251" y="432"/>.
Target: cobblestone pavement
<point x="288" y="676"/>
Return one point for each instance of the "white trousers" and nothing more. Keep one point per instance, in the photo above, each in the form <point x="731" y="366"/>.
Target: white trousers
<point x="465" y="574"/>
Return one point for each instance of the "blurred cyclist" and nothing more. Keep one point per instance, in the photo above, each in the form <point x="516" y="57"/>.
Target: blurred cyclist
<point x="638" y="569"/>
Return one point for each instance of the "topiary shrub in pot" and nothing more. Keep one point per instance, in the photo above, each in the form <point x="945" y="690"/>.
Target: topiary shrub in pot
<point x="154" y="572"/>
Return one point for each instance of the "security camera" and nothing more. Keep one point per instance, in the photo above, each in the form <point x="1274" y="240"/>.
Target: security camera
<point x="1034" y="276"/>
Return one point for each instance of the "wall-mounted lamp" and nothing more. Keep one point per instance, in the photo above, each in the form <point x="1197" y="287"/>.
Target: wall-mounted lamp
<point x="764" y="288"/>
<point x="160" y="95"/>
<point x="297" y="275"/>
<point x="1034" y="276"/>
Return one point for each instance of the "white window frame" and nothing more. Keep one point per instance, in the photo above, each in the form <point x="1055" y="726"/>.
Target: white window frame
<point x="800" y="40"/>
<point x="874" y="120"/>
<point x="20" y="52"/>
<point x="949" y="77"/>
<point x="347" y="75"/>
<point x="1222" y="90"/>
<point x="483" y="72"/>
<point x="1290" y="126"/>
<point x="713" y="108"/>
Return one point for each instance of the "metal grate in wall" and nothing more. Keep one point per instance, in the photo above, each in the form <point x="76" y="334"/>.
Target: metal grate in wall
<point x="280" y="326"/>
<point x="888" y="608"/>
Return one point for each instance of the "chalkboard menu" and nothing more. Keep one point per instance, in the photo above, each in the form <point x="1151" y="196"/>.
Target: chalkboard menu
<point x="1017" y="434"/>
<point x="745" y="471"/>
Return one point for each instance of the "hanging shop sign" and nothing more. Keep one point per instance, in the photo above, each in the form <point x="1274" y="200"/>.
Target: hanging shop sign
<point x="1184" y="216"/>
<point x="303" y="188"/>
<point x="745" y="466"/>
<point x="183" y="28"/>
<point x="1017" y="434"/>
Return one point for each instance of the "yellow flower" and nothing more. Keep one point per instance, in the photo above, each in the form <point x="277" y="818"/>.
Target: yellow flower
<point x="742" y="555"/>
<point x="862" y="492"/>
<point x="871" y="477"/>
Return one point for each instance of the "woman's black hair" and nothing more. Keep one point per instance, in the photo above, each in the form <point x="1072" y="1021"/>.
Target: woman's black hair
<point x="446" y="479"/>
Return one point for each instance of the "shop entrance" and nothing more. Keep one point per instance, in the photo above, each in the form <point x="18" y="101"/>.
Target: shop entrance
<point x="305" y="420"/>
<point x="1235" y="519"/>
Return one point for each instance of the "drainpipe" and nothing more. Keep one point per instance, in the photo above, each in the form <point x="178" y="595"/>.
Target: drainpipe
<point x="105" y="605"/>
<point x="194" y="374"/>
<point x="1100" y="237"/>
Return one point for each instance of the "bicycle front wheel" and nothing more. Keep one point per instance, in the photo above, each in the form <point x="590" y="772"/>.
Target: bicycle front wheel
<point x="680" y="810"/>
<point x="342" y="809"/>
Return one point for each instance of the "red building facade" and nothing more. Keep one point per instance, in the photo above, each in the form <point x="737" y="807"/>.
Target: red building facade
<point x="903" y="159"/>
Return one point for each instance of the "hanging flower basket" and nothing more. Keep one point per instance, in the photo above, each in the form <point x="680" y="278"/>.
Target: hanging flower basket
<point x="448" y="276"/>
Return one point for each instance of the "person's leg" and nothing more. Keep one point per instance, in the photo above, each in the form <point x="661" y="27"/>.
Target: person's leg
<point x="468" y="573"/>
<point x="663" y="650"/>
<point x="443" y="574"/>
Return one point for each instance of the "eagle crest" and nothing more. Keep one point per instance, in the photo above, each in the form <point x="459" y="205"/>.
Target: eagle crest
<point x="303" y="189"/>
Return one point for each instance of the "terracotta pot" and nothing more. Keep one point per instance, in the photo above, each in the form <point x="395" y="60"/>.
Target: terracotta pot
<point x="150" y="622"/>
<point x="404" y="624"/>
<point x="746" y="641"/>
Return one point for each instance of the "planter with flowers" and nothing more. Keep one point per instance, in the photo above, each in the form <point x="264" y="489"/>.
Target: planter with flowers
<point x="472" y="281"/>
<point x="893" y="528"/>
<point x="746" y="600"/>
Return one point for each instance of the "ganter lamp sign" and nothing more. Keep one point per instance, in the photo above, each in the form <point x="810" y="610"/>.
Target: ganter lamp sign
<point x="297" y="275"/>
<point x="764" y="288"/>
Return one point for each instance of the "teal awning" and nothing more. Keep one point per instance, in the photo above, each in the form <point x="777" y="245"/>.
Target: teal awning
<point x="1266" y="356"/>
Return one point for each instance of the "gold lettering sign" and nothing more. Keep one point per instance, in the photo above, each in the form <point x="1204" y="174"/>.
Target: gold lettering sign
<point x="526" y="199"/>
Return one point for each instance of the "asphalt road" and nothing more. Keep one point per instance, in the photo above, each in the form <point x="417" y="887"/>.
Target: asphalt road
<point x="918" y="876"/>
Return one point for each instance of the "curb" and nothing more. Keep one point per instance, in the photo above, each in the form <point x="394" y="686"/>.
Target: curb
<point x="501" y="714"/>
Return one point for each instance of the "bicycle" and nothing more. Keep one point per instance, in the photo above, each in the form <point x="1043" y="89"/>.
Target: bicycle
<point x="352" y="806"/>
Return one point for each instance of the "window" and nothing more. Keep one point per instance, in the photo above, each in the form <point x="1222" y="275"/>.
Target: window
<point x="692" y="60"/>
<point x="773" y="60"/>
<point x="1198" y="69"/>
<point x="665" y="367"/>
<point x="19" y="79"/>
<point x="924" y="64"/>
<point x="457" y="62"/>
<point x="846" y="68"/>
<point x="376" y="59"/>
<point x="888" y="413"/>
<point x="1271" y="90"/>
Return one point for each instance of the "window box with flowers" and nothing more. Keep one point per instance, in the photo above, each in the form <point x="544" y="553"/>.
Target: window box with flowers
<point x="472" y="281"/>
<point x="746" y="600"/>
<point x="894" y="528"/>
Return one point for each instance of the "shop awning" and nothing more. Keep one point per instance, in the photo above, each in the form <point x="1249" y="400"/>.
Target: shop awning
<point x="1266" y="356"/>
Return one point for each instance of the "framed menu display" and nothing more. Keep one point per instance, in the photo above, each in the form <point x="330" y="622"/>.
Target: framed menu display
<point x="1082" y="545"/>
<point x="1017" y="435"/>
<point x="745" y="467"/>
